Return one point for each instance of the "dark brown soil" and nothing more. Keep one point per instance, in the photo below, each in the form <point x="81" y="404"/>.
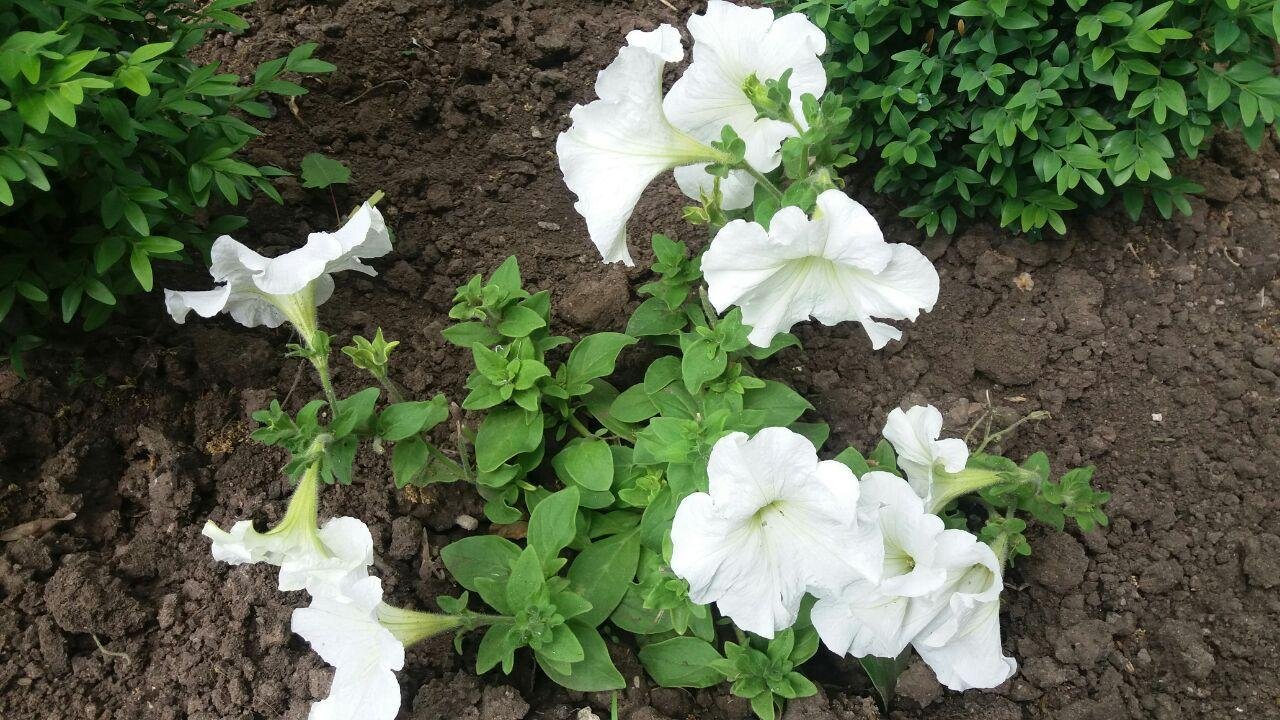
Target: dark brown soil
<point x="1154" y="346"/>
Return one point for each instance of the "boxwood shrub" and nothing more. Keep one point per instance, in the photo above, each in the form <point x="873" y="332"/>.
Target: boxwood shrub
<point x="1022" y="110"/>
<point x="111" y="143"/>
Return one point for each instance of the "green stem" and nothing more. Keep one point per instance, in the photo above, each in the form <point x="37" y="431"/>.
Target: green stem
<point x="576" y="424"/>
<point x="321" y="363"/>
<point x="439" y="455"/>
<point x="393" y="390"/>
<point x="765" y="182"/>
<point x="707" y="308"/>
<point x="993" y="437"/>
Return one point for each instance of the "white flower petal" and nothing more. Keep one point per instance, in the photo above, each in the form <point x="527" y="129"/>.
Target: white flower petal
<point x="618" y="144"/>
<point x="861" y="621"/>
<point x="256" y="290"/>
<point x="242" y="544"/>
<point x="346" y="634"/>
<point x="931" y="581"/>
<point x="360" y="693"/>
<point x="834" y="267"/>
<point x="346" y="557"/>
<point x="972" y="657"/>
<point x="363" y="235"/>
<point x="776" y="524"/>
<point x="205" y="303"/>
<point x="914" y="435"/>
<point x="961" y="642"/>
<point x="736" y="191"/>
<point x="731" y="43"/>
<point x="663" y="41"/>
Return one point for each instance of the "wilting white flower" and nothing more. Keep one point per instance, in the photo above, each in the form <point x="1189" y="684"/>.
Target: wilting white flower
<point x="364" y="639"/>
<point x="777" y="523"/>
<point x="618" y="144"/>
<point x="834" y="267"/>
<point x="730" y="45"/>
<point x="961" y="642"/>
<point x="347" y="635"/>
<point x="921" y="455"/>
<point x="256" y="290"/>
<point x="319" y="560"/>
<point x="939" y="592"/>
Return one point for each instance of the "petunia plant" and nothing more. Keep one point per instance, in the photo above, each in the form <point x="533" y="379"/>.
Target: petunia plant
<point x="653" y="486"/>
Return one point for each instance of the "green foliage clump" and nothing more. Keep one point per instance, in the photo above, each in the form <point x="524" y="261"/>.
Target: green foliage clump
<point x="111" y="141"/>
<point x="1024" y="109"/>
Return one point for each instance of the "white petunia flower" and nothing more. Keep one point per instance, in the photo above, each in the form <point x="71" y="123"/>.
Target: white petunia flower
<point x="319" y="560"/>
<point x="618" y="144"/>
<point x="731" y="44"/>
<point x="833" y="267"/>
<point x="866" y="618"/>
<point x="921" y="455"/>
<point x="256" y="290"/>
<point x="950" y="611"/>
<point x="961" y="641"/>
<point x="776" y="523"/>
<point x="347" y="635"/>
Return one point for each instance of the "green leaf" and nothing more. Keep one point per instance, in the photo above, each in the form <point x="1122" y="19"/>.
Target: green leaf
<point x="150" y="51"/>
<point x="135" y="79"/>
<point x="526" y="579"/>
<point x="408" y="459"/>
<point x="405" y="419"/>
<point x="140" y="264"/>
<point x="519" y="321"/>
<point x="653" y="317"/>
<point x="884" y="672"/>
<point x="883" y="458"/>
<point x="633" y="405"/>
<point x="480" y="561"/>
<point x="353" y="412"/>
<point x="854" y="460"/>
<point x="554" y="523"/>
<point x="596" y="672"/>
<point x="602" y="572"/>
<point x="587" y="463"/>
<point x="777" y="405"/>
<point x="505" y="433"/>
<point x="320" y="171"/>
<point x="595" y="356"/>
<point x="702" y="362"/>
<point x="681" y="662"/>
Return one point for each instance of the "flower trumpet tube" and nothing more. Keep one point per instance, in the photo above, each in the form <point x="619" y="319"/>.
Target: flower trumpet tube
<point x="619" y="143"/>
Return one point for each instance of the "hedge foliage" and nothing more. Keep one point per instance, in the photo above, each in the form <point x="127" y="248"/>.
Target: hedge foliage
<point x="1022" y="110"/>
<point x="112" y="143"/>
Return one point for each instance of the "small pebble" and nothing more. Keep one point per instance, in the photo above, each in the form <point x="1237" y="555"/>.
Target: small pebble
<point x="466" y="522"/>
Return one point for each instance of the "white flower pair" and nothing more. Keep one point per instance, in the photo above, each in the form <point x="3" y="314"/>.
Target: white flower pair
<point x="342" y="622"/>
<point x="835" y="266"/>
<point x="777" y="523"/>
<point x="621" y="142"/>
